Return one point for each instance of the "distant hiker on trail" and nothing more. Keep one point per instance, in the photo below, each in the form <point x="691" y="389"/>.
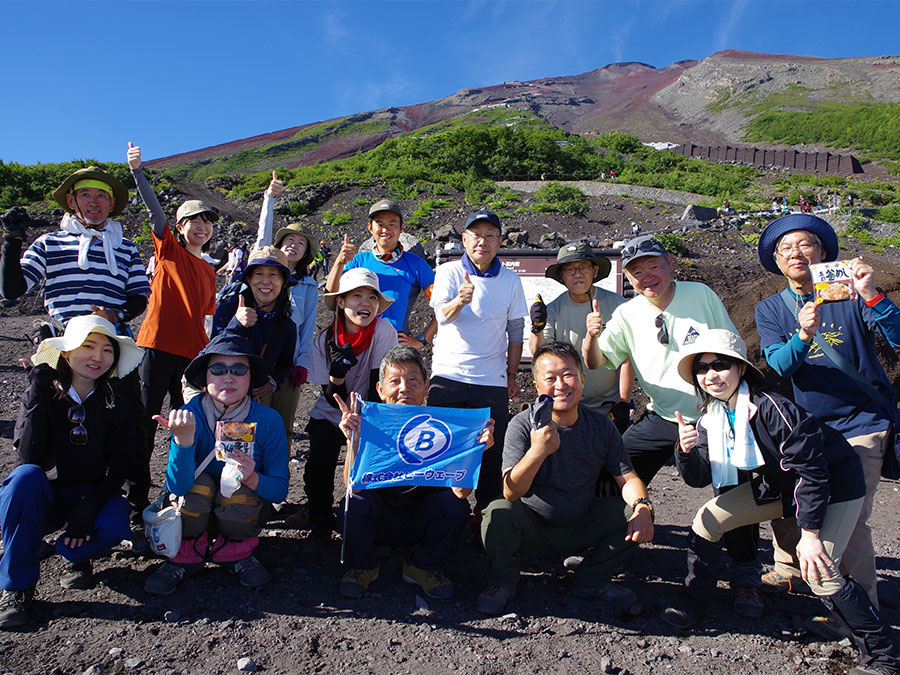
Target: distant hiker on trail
<point x="402" y="275"/>
<point x="828" y="350"/>
<point x="237" y="260"/>
<point x="325" y="252"/>
<point x="183" y="295"/>
<point x="226" y="502"/>
<point x="422" y="518"/>
<point x="564" y="319"/>
<point x="652" y="329"/>
<point x="74" y="437"/>
<point x="552" y="458"/>
<point x="480" y="307"/>
<point x="299" y="247"/>
<point x="800" y="468"/>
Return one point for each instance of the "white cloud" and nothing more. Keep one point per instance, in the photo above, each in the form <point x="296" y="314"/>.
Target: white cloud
<point x="334" y="32"/>
<point x="725" y="34"/>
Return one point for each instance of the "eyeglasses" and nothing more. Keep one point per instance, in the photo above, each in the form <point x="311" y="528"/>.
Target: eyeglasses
<point x="219" y="369"/>
<point x="645" y="246"/>
<point x="805" y="247"/>
<point x="579" y="270"/>
<point x="78" y="435"/>
<point x="490" y="237"/>
<point x="720" y="365"/>
<point x="663" y="335"/>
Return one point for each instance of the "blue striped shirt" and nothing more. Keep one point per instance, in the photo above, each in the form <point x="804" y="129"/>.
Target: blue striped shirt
<point x="71" y="291"/>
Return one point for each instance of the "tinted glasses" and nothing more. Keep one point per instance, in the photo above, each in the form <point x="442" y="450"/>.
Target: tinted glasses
<point x="663" y="335"/>
<point x="645" y="246"/>
<point x="219" y="369"/>
<point x="721" y="364"/>
<point x="78" y="435"/>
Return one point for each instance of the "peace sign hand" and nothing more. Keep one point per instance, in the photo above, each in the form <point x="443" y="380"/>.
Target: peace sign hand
<point x="350" y="421"/>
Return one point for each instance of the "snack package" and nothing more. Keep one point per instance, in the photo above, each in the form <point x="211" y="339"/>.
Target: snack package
<point x="232" y="436"/>
<point x="832" y="281"/>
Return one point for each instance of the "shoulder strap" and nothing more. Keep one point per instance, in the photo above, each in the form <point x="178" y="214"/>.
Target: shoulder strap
<point x="205" y="463"/>
<point x="837" y="359"/>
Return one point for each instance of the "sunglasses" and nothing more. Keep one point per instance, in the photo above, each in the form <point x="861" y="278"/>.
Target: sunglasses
<point x="219" y="369"/>
<point x="78" y="435"/>
<point x="645" y="246"/>
<point x="663" y="335"/>
<point x="720" y="365"/>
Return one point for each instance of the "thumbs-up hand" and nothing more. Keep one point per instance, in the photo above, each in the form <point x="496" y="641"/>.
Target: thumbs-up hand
<point x="538" y="315"/>
<point x="275" y="187"/>
<point x="348" y="250"/>
<point x="594" y="320"/>
<point x="246" y="316"/>
<point x="688" y="436"/>
<point x="134" y="155"/>
<point x="466" y="290"/>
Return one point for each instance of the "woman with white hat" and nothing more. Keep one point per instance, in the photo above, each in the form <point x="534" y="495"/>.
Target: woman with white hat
<point x="74" y="437"/>
<point x="768" y="458"/>
<point x="346" y="358"/>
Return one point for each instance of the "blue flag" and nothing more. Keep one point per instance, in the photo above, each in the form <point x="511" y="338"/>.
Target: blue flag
<point x="418" y="445"/>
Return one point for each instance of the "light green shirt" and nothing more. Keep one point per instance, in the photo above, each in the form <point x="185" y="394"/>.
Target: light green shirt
<point x="631" y="333"/>
<point x="566" y="322"/>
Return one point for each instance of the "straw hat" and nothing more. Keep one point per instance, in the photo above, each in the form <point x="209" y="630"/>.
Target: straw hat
<point x="77" y="330"/>
<point x="358" y="277"/>
<point x="717" y="341"/>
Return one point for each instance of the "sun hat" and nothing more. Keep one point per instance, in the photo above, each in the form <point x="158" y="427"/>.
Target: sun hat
<point x="573" y="252"/>
<point x="483" y="215"/>
<point x="297" y="228"/>
<point x="120" y="192"/>
<point x="77" y="330"/>
<point x="790" y="223"/>
<point x="645" y="246"/>
<point x="717" y="341"/>
<point x="358" y="277"/>
<point x="193" y="207"/>
<point x="386" y="205"/>
<point x="227" y="344"/>
<point x="268" y="255"/>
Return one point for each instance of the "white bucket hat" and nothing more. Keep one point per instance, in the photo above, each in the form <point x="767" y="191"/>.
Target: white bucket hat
<point x="717" y="341"/>
<point x="358" y="277"/>
<point x="76" y="333"/>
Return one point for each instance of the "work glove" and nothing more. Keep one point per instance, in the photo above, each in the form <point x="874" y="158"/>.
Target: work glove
<point x="538" y="315"/>
<point x="342" y="360"/>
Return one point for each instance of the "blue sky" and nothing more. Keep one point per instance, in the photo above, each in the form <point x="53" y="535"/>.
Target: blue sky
<point x="81" y="78"/>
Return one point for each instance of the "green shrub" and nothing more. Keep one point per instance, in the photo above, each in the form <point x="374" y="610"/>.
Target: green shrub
<point x="889" y="213"/>
<point x="566" y="199"/>
<point x="299" y="208"/>
<point x="673" y="242"/>
<point x="337" y="218"/>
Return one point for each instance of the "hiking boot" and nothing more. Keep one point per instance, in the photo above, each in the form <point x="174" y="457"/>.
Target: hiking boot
<point x="355" y="583"/>
<point x="299" y="520"/>
<point x="775" y="582"/>
<point x="165" y="579"/>
<point x="681" y="616"/>
<point x="251" y="572"/>
<point x="432" y="582"/>
<point x="830" y="628"/>
<point x="747" y="602"/>
<point x="863" y="670"/>
<point x="15" y="608"/>
<point x="619" y="597"/>
<point x="493" y="599"/>
<point x="78" y="575"/>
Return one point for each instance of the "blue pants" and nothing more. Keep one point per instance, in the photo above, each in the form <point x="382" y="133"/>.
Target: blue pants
<point x="31" y="506"/>
<point x="430" y="525"/>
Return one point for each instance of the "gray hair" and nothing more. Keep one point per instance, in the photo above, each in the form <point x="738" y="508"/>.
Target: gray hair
<point x="816" y="237"/>
<point x="402" y="354"/>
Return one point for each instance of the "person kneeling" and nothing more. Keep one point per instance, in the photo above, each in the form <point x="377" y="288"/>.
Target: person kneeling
<point x="223" y="529"/>
<point x="550" y="470"/>
<point x="426" y="518"/>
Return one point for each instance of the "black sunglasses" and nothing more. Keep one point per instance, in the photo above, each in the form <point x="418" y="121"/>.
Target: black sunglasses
<point x="219" y="369"/>
<point x="720" y="365"/>
<point x="78" y="435"/>
<point x="663" y="335"/>
<point x="645" y="246"/>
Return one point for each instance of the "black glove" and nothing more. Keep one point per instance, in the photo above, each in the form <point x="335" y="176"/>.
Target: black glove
<point x="620" y="414"/>
<point x="541" y="411"/>
<point x="538" y="315"/>
<point x="342" y="360"/>
<point x="81" y="521"/>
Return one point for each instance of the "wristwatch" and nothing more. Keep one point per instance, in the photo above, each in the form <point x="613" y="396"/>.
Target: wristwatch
<point x="421" y="337"/>
<point x="648" y="504"/>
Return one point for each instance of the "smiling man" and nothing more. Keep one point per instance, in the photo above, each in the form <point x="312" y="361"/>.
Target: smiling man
<point x="401" y="275"/>
<point x="549" y="505"/>
<point x="820" y="347"/>
<point x="480" y="308"/>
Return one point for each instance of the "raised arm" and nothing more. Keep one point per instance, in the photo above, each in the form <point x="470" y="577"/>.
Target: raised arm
<point x="266" y="231"/>
<point x="148" y="196"/>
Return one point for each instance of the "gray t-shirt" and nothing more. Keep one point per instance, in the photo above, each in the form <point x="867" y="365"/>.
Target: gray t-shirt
<point x="563" y="488"/>
<point x="566" y="323"/>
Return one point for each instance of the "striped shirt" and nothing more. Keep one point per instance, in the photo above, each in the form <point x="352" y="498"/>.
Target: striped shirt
<point x="71" y="291"/>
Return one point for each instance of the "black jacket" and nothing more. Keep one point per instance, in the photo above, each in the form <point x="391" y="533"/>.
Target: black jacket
<point x="808" y="465"/>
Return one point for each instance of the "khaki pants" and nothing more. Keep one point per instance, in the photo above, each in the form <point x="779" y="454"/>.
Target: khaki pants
<point x="238" y="517"/>
<point x="737" y="508"/>
<point x="859" y="557"/>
